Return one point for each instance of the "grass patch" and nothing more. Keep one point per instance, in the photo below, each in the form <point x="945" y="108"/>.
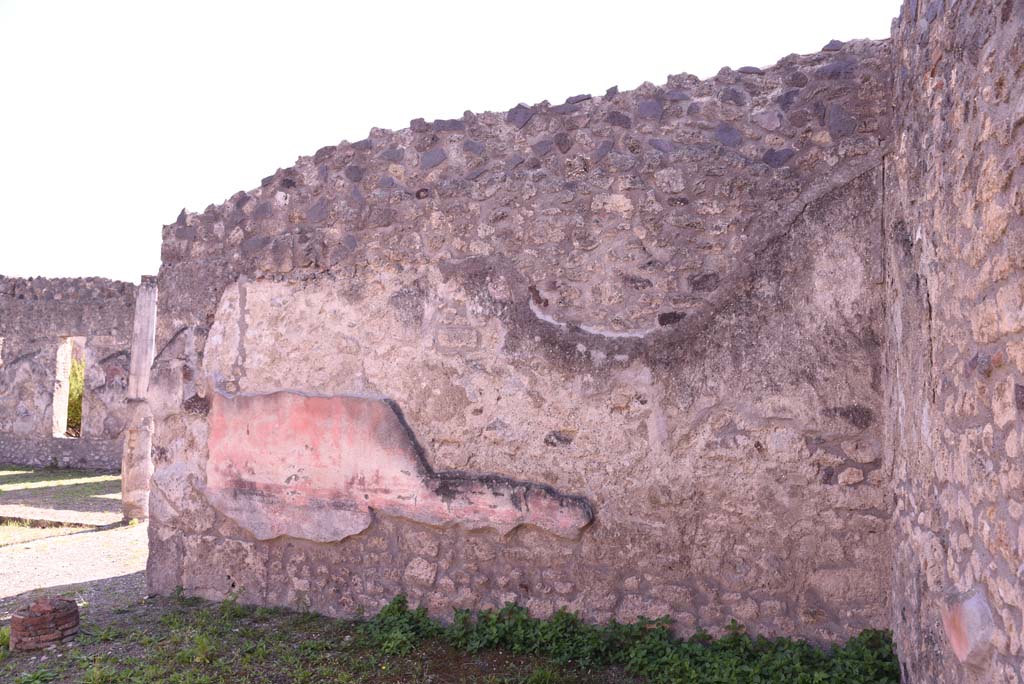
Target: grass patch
<point x="91" y="481"/>
<point x="187" y="641"/>
<point x="20" y="531"/>
<point x="76" y="389"/>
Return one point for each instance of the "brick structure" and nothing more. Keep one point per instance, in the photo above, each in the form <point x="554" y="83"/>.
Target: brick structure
<point x="43" y="623"/>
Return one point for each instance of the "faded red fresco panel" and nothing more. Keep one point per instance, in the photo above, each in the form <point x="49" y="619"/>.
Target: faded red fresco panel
<point x="317" y="467"/>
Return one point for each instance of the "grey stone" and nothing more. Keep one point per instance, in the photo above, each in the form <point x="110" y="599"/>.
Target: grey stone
<point x="670" y="317"/>
<point x="474" y="147"/>
<point x="650" y="109"/>
<point x="619" y="119"/>
<point x="519" y="115"/>
<point x="564" y="141"/>
<point x="602" y="151"/>
<point x="786" y="99"/>
<point x="565" y="109"/>
<point x="728" y="135"/>
<point x="324" y="153"/>
<point x="776" y="158"/>
<point x="254" y="245"/>
<point x="840" y="122"/>
<point x="542" y="147"/>
<point x="448" y="125"/>
<point x="558" y="438"/>
<point x="432" y="158"/>
<point x="733" y="96"/>
<point x="796" y="79"/>
<point x="354" y="172"/>
<point x="704" y="282"/>
<point x="839" y="69"/>
<point x="661" y="145"/>
<point x="317" y="211"/>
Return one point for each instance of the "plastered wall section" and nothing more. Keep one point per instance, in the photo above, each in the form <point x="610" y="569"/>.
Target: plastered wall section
<point x="36" y="314"/>
<point x="955" y="357"/>
<point x="666" y="302"/>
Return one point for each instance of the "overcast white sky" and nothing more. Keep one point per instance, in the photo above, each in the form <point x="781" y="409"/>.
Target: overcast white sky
<point x="115" y="115"/>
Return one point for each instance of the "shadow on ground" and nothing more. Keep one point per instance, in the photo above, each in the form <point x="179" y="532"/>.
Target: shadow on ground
<point x="68" y="496"/>
<point x="95" y="598"/>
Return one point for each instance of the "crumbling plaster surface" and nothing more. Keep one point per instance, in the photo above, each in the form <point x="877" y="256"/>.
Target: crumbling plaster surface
<point x="666" y="301"/>
<point x="318" y="468"/>
<point x="35" y="315"/>
<point x="955" y="358"/>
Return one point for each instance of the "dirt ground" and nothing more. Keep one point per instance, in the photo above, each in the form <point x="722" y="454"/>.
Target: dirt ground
<point x="70" y="497"/>
<point x="61" y="532"/>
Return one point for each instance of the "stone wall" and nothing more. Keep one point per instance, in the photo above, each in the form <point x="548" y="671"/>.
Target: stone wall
<point x="955" y="358"/>
<point x="620" y="354"/>
<point x="37" y="316"/>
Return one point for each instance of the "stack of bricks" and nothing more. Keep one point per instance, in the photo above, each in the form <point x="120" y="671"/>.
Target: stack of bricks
<point x="46" y="622"/>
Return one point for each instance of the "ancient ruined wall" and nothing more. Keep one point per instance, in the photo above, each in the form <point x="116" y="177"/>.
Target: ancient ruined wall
<point x="955" y="358"/>
<point x="36" y="316"/>
<point x="633" y="345"/>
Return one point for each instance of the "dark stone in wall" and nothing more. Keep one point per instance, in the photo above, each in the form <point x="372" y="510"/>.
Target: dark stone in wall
<point x="728" y="135"/>
<point x="840" y="122"/>
<point x="733" y="96"/>
<point x="704" y="282"/>
<point x="519" y="116"/>
<point x="650" y="109"/>
<point x="619" y="119"/>
<point x="857" y="415"/>
<point x="777" y="158"/>
<point x="432" y="158"/>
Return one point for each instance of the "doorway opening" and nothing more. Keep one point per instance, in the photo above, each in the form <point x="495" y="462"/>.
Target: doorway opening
<point x="69" y="388"/>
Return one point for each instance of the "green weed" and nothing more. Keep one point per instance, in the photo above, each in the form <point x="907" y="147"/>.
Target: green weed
<point x="646" y="648"/>
<point x="76" y="389"/>
<point x="396" y="630"/>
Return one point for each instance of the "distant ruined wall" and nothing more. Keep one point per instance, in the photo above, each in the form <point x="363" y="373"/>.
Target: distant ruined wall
<point x="36" y="315"/>
<point x="630" y="348"/>
<point x="955" y="358"/>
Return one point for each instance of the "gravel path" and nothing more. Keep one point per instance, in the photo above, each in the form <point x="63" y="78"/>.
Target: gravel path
<point x="77" y="497"/>
<point x="102" y="569"/>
